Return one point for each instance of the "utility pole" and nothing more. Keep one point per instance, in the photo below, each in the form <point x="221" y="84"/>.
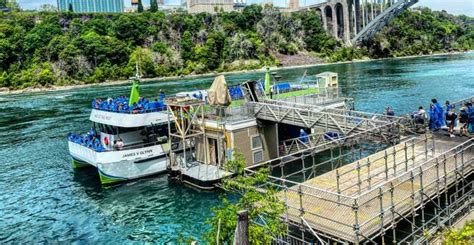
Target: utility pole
<point x="242" y="230"/>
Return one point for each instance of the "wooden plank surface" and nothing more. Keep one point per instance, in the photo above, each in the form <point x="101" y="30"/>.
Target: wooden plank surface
<point x="333" y="215"/>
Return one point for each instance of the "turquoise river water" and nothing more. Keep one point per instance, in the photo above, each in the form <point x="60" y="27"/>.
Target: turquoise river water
<point x="42" y="200"/>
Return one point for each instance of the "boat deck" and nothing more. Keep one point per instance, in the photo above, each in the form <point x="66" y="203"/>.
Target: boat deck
<point x="358" y="200"/>
<point x="204" y="176"/>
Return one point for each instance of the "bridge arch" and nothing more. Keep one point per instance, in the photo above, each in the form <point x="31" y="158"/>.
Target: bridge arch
<point x="328" y="15"/>
<point x="339" y="22"/>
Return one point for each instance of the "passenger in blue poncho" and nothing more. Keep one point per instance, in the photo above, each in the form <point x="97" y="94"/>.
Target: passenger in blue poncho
<point x="439" y="114"/>
<point x="304" y="136"/>
<point x="470" y="115"/>
<point x="433" y="117"/>
<point x="162" y="95"/>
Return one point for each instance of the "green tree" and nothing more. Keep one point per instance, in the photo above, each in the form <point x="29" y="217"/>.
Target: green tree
<point x="465" y="235"/>
<point x="140" y="6"/>
<point x="153" y="6"/>
<point x="261" y="205"/>
<point x="145" y="60"/>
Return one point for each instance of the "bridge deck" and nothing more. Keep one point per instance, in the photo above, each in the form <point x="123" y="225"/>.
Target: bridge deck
<point x="367" y="192"/>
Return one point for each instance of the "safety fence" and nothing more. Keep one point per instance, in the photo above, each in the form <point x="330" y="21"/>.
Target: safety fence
<point x="365" y="201"/>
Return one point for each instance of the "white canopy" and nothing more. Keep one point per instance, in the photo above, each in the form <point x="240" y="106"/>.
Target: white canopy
<point x="126" y="120"/>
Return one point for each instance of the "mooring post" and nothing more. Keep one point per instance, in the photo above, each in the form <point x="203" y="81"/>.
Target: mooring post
<point x="242" y="234"/>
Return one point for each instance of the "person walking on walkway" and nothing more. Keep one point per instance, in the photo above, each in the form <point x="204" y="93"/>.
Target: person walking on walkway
<point x="463" y="119"/>
<point x="450" y="121"/>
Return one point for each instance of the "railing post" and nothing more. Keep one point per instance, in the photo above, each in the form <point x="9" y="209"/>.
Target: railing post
<point x="413" y="152"/>
<point x="406" y="156"/>
<point x="358" y="177"/>
<point x="422" y="198"/>
<point x="369" y="178"/>
<point x="338" y="185"/>
<point x="381" y="210"/>
<point x="392" y="208"/>
<point x="426" y="147"/>
<point x="300" y="193"/>
<point x="438" y="194"/>
<point x="386" y="165"/>
<point x="355" y="208"/>
<point x="394" y="161"/>
<point x="413" y="210"/>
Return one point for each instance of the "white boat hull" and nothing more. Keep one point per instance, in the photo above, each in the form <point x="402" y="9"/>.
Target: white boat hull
<point x="117" y="166"/>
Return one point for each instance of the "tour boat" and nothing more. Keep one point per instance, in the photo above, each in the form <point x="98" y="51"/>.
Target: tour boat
<point x="128" y="138"/>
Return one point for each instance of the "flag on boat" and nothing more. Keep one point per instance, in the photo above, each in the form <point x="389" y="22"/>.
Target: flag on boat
<point x="267" y="81"/>
<point x="134" y="93"/>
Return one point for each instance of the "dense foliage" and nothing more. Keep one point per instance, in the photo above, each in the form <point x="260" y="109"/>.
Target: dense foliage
<point x="465" y="235"/>
<point x="423" y="31"/>
<point x="265" y="208"/>
<point x="45" y="48"/>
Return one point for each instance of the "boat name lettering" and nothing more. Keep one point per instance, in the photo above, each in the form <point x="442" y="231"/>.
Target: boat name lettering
<point x="138" y="153"/>
<point x="104" y="117"/>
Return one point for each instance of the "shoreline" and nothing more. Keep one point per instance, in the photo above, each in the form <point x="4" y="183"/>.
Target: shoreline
<point x="7" y="91"/>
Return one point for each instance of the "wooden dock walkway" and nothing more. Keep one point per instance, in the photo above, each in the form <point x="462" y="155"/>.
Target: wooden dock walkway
<point x="359" y="201"/>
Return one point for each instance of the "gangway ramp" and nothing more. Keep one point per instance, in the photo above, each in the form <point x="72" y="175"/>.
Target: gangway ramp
<point x="362" y="200"/>
<point x="317" y="117"/>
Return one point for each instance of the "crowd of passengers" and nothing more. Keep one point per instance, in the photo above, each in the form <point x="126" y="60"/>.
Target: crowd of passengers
<point x="90" y="140"/>
<point x="121" y="105"/>
<point x="439" y="115"/>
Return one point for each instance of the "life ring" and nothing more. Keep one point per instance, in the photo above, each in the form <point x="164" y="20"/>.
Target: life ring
<point x="106" y="141"/>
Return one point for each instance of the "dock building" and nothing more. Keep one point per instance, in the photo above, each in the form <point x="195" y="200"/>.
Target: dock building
<point x="91" y="6"/>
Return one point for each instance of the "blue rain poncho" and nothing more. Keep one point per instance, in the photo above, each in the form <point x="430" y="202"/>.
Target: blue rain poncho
<point x="304" y="136"/>
<point x="433" y="118"/>
<point x="439" y="115"/>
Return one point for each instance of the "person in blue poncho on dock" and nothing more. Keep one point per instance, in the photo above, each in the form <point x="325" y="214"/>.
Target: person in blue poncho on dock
<point x="439" y="114"/>
<point x="433" y="117"/>
<point x="304" y="136"/>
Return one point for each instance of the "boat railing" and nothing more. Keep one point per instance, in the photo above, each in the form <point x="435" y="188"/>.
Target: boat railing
<point x="121" y="105"/>
<point x="136" y="145"/>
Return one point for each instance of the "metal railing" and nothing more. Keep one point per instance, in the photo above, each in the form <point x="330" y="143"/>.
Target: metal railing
<point x="327" y="121"/>
<point x="362" y="211"/>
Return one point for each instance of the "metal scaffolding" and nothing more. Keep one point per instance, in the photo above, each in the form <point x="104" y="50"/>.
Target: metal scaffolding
<point x="366" y="199"/>
<point x="310" y="117"/>
<point x="186" y="125"/>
